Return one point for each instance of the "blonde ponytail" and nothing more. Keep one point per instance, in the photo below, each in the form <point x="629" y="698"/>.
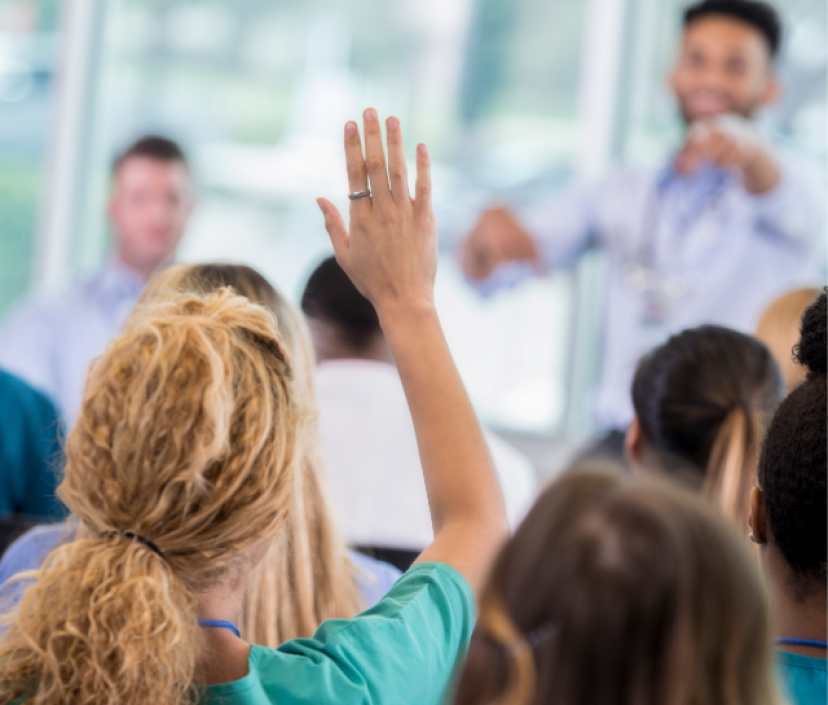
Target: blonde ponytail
<point x="306" y="576"/>
<point x="106" y="621"/>
<point x="731" y="468"/>
<point x="185" y="439"/>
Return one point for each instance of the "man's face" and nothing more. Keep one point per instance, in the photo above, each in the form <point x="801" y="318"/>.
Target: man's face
<point x="724" y="66"/>
<point x="149" y="207"/>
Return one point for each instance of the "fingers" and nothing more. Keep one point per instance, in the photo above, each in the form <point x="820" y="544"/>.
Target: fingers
<point x="354" y="162"/>
<point x="422" y="189"/>
<point x="397" y="169"/>
<point x="375" y="157"/>
<point x="335" y="225"/>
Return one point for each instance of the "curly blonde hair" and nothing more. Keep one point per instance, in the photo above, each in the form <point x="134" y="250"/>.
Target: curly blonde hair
<point x="307" y="576"/>
<point x="186" y="437"/>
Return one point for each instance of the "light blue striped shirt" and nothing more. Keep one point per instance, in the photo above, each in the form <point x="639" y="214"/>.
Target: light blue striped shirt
<point x="730" y="251"/>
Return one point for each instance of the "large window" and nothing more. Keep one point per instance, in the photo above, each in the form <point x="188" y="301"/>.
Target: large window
<point x="28" y="53"/>
<point x="258" y="93"/>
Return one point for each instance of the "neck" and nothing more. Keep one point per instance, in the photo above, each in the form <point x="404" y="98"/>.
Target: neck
<point x="332" y="344"/>
<point x="224" y="656"/>
<point x="145" y="269"/>
<point x="800" y="614"/>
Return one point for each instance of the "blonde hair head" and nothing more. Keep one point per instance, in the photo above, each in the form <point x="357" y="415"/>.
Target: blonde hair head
<point x="778" y="329"/>
<point x="307" y="576"/>
<point x="186" y="438"/>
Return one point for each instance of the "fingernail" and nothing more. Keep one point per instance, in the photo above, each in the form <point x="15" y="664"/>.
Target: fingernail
<point x="350" y="127"/>
<point x="392" y="123"/>
<point x="422" y="149"/>
<point x="321" y="204"/>
<point x="370" y="114"/>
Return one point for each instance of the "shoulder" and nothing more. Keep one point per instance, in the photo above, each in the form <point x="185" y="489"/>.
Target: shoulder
<point x="408" y="644"/>
<point x="30" y="550"/>
<point x="24" y="396"/>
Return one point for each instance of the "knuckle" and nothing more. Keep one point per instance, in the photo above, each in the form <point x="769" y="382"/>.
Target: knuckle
<point x="375" y="163"/>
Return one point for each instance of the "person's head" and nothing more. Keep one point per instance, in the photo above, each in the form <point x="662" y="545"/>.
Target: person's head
<point x="617" y="592"/>
<point x="342" y="321"/>
<point x="702" y="401"/>
<point x="150" y="202"/>
<point x="725" y="61"/>
<point x="185" y="438"/>
<point x="788" y="509"/>
<point x="306" y="577"/>
<point x="779" y="330"/>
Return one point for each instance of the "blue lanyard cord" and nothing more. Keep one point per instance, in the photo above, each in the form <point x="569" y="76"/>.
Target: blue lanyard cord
<point x="221" y="624"/>
<point x="802" y="642"/>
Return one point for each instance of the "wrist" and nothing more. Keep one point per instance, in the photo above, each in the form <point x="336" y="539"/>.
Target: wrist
<point x="397" y="313"/>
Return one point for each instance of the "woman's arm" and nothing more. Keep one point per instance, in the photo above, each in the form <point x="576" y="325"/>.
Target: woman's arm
<point x="390" y="253"/>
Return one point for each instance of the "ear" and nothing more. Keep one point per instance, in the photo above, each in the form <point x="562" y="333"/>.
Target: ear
<point x="634" y="445"/>
<point x="757" y="518"/>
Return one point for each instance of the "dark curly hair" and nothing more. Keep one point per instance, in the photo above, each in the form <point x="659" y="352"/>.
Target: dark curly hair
<point x="759" y="15"/>
<point x="794" y="459"/>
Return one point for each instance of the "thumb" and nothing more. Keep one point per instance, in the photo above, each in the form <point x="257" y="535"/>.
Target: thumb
<point x="335" y="226"/>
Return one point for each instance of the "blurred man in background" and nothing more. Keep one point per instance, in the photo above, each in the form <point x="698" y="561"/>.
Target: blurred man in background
<point x="367" y="434"/>
<point x="50" y="343"/>
<point x="713" y="236"/>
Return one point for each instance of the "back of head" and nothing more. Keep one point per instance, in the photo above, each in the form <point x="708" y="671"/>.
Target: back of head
<point x="613" y="593"/>
<point x="307" y="576"/>
<point x="778" y="329"/>
<point x="185" y="438"/>
<point x="794" y="462"/>
<point x="703" y="400"/>
<point x="759" y="15"/>
<point x="331" y="297"/>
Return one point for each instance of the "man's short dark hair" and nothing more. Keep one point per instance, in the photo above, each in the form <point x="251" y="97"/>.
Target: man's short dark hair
<point x="759" y="15"/>
<point x="330" y="296"/>
<point x="152" y="147"/>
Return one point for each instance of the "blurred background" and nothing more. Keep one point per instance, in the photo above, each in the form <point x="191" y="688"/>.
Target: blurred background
<point x="515" y="98"/>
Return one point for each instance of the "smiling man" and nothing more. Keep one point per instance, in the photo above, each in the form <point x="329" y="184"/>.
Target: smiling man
<point x="50" y="343"/>
<point x="719" y="231"/>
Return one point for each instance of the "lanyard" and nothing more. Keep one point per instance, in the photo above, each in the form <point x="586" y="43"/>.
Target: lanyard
<point x="221" y="624"/>
<point x="802" y="642"/>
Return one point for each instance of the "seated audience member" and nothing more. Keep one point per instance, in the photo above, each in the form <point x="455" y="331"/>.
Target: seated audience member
<point x="702" y="401"/>
<point x="50" y="343"/>
<point x="181" y="469"/>
<point x="788" y="519"/>
<point x="778" y="329"/>
<point x="620" y="592"/>
<point x="367" y="434"/>
<point x="30" y="455"/>
<point x="308" y="575"/>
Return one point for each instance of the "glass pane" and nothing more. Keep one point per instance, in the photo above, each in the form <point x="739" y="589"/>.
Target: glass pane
<point x="28" y="52"/>
<point x="258" y="93"/>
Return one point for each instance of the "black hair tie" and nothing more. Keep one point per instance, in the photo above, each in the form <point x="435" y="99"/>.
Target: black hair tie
<point x="132" y="535"/>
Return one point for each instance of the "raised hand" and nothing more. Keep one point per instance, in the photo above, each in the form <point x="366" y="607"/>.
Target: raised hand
<point x="390" y="249"/>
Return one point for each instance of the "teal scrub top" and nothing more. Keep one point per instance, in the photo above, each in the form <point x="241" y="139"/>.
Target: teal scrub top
<point x="803" y="678"/>
<point x="403" y="650"/>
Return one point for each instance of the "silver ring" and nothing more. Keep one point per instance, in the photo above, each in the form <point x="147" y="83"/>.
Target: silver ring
<point x="359" y="194"/>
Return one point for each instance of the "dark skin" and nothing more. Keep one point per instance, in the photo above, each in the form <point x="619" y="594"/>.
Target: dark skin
<point x="330" y="342"/>
<point x="799" y="605"/>
<point x="723" y="67"/>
